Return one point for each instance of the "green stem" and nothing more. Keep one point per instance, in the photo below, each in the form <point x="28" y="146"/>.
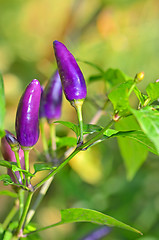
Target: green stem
<point x="21" y="202"/>
<point x="18" y="163"/>
<point x="132" y="88"/>
<point x="44" y="140"/>
<point x="10" y="215"/>
<point x="85" y="145"/>
<point x="38" y="200"/>
<point x="26" y="157"/>
<point x="53" y="137"/>
<point x="26" y="207"/>
<point x="77" y="104"/>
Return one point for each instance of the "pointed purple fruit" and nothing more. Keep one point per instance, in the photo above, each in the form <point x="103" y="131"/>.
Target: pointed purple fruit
<point x="27" y="117"/>
<point x="51" y="100"/>
<point x="72" y="79"/>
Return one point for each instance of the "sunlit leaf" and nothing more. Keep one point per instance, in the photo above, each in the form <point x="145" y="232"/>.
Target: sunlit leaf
<point x="6" y="179"/>
<point x="5" y="163"/>
<point x="120" y="99"/>
<point x="133" y="148"/>
<point x="87" y="128"/>
<point x="139" y="95"/>
<point x="15" y="168"/>
<point x="66" y="141"/>
<point x="153" y="91"/>
<point x="43" y="166"/>
<point x="148" y="119"/>
<point x="73" y="215"/>
<point x="115" y="76"/>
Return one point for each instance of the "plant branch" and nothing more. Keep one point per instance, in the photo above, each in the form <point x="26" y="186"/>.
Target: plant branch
<point x="77" y="150"/>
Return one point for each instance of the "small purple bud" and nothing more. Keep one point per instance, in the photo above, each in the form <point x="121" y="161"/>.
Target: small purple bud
<point x="72" y="79"/>
<point x="9" y="155"/>
<point x="11" y="139"/>
<point x="27" y="117"/>
<point x="51" y="100"/>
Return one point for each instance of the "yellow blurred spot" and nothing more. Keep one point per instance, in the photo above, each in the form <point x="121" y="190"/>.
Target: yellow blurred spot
<point x="87" y="164"/>
<point x="12" y="86"/>
<point x="106" y="23"/>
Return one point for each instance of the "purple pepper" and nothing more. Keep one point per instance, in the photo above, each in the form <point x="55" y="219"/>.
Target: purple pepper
<point x="41" y="109"/>
<point x="9" y="155"/>
<point x="98" y="234"/>
<point x="72" y="79"/>
<point x="51" y="99"/>
<point x="27" y="117"/>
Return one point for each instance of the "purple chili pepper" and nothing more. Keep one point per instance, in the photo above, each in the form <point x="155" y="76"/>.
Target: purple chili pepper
<point x="72" y="79"/>
<point x="27" y="117"/>
<point x="41" y="109"/>
<point x="9" y="155"/>
<point x="98" y="234"/>
<point x="51" y="99"/>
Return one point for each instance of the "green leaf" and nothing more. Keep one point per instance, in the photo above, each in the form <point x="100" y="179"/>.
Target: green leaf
<point x="66" y="141"/>
<point x="8" y="193"/>
<point x="7" y="236"/>
<point x="137" y="135"/>
<point x="70" y="125"/>
<point x="114" y="77"/>
<point x="2" y="107"/>
<point x="43" y="166"/>
<point x="5" y="163"/>
<point x="73" y="215"/>
<point x="87" y="128"/>
<point x="6" y="179"/>
<point x="148" y="119"/>
<point x="15" y="168"/>
<point x="135" y="153"/>
<point x="153" y="91"/>
<point x="140" y="96"/>
<point x="120" y="99"/>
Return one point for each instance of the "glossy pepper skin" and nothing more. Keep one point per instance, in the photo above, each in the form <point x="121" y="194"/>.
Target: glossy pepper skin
<point x="51" y="99"/>
<point x="72" y="79"/>
<point x="27" y="117"/>
<point x="9" y="155"/>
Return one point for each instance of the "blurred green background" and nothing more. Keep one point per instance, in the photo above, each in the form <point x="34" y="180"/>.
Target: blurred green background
<point x="120" y="34"/>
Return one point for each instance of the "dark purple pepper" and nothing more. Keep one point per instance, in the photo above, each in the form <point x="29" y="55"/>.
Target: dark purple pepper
<point x="72" y="79"/>
<point x="9" y="155"/>
<point x="27" y="117"/>
<point x="41" y="109"/>
<point x="51" y="100"/>
<point x="97" y="234"/>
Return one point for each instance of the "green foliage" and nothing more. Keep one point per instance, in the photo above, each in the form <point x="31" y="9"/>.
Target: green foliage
<point x="120" y="98"/>
<point x="153" y="91"/>
<point x="6" y="179"/>
<point x="134" y="152"/>
<point x="87" y="128"/>
<point x="9" y="193"/>
<point x="114" y="77"/>
<point x="73" y="215"/>
<point x="66" y="141"/>
<point x="2" y="107"/>
<point x="43" y="166"/>
<point x="148" y="119"/>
